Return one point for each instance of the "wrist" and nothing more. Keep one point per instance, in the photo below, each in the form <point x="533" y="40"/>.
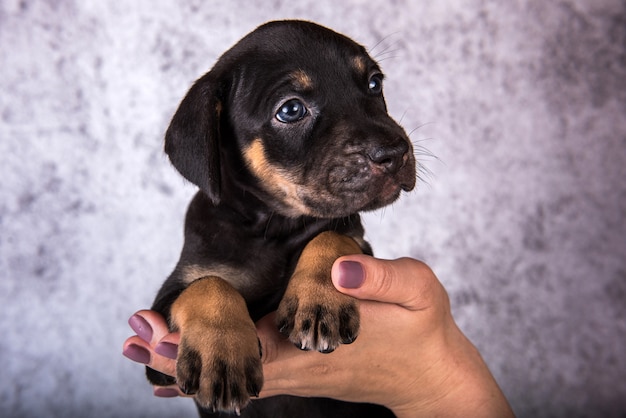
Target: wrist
<point x="458" y="384"/>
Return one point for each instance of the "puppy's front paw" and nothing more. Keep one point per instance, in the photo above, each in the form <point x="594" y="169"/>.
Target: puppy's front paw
<point x="318" y="322"/>
<point x="222" y="368"/>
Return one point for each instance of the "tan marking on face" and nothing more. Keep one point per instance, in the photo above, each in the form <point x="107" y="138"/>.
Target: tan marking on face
<point x="359" y="64"/>
<point x="274" y="180"/>
<point x="301" y="80"/>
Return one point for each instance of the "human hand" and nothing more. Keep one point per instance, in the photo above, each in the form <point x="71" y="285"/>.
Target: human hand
<point x="410" y="355"/>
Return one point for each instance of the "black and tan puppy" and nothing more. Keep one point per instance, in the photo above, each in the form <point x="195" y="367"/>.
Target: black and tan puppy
<point x="288" y="138"/>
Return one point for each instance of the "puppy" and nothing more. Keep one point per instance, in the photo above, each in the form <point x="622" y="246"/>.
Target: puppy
<point x="287" y="138"/>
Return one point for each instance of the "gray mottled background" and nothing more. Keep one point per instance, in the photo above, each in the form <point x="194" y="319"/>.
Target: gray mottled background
<point x="523" y="214"/>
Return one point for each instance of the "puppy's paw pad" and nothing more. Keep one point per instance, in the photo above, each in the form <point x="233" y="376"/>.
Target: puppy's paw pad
<point x="318" y="326"/>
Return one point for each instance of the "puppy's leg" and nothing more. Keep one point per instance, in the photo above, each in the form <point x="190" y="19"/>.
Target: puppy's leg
<point x="219" y="353"/>
<point x="312" y="313"/>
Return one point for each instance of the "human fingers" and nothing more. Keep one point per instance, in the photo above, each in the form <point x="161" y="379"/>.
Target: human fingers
<point x="406" y="282"/>
<point x="137" y="350"/>
<point x="153" y="345"/>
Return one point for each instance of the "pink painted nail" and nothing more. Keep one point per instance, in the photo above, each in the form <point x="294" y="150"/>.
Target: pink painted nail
<point x="137" y="353"/>
<point x="166" y="349"/>
<point x="351" y="274"/>
<point x="141" y="327"/>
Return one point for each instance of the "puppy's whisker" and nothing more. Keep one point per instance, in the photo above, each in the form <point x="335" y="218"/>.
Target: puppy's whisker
<point x="387" y="54"/>
<point x="419" y="126"/>
<point x="424" y="174"/>
<point x="372" y="49"/>
<point x="400" y="121"/>
<point x="423" y="155"/>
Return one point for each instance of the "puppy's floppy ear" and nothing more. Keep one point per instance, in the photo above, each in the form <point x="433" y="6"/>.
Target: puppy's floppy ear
<point x="192" y="139"/>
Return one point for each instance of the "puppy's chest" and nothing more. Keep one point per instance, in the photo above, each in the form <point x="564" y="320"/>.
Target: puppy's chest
<point x="258" y="265"/>
<point x="254" y="250"/>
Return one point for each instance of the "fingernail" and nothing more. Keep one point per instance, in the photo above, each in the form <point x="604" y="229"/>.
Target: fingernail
<point x="165" y="392"/>
<point x="351" y="274"/>
<point x="141" y="327"/>
<point x="137" y="353"/>
<point x="166" y="349"/>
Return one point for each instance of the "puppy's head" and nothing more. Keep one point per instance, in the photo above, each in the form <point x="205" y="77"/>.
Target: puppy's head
<point x="294" y="113"/>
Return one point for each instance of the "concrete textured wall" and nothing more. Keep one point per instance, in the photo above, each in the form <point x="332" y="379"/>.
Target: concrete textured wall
<point x="522" y="214"/>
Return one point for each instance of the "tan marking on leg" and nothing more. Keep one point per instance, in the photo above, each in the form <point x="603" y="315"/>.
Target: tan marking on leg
<point x="321" y="252"/>
<point x="312" y="312"/>
<point x="207" y="299"/>
<point x="218" y="357"/>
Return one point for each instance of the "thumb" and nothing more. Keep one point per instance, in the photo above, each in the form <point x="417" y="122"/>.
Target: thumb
<point x="406" y="282"/>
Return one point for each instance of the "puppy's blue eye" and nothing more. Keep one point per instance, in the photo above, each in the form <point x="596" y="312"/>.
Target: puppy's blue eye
<point x="291" y="111"/>
<point x="375" y="85"/>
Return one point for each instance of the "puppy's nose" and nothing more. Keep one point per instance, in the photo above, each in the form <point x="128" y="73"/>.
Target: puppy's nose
<point x="389" y="158"/>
